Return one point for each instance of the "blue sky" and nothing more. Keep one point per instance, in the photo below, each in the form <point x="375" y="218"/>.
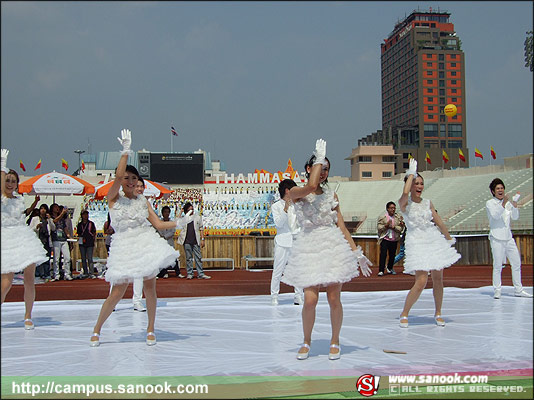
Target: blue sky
<point x="254" y="83"/>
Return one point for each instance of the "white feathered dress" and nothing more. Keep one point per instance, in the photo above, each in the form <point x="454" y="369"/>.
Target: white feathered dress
<point x="137" y="250"/>
<point x="20" y="245"/>
<point x="426" y="248"/>
<point x="320" y="255"/>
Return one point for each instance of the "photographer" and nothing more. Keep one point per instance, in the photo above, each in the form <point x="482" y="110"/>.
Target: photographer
<point x="42" y="225"/>
<point x="86" y="230"/>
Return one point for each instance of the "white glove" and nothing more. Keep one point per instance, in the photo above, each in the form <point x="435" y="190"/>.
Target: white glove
<point x="320" y="152"/>
<point x="363" y="262"/>
<point x="412" y="169"/>
<point x="514" y="199"/>
<point x="182" y="222"/>
<point x="126" y="141"/>
<point x="3" y="160"/>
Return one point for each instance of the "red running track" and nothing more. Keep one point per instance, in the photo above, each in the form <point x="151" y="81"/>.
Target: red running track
<point x="242" y="282"/>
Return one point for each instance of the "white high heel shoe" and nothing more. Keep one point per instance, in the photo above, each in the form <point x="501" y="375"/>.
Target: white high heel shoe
<point x="28" y="324"/>
<point x="334" y="356"/>
<point x="303" y="356"/>
<point x="95" y="343"/>
<point x="150" y="342"/>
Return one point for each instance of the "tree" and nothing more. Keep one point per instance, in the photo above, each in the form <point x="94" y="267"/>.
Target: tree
<point x="528" y="51"/>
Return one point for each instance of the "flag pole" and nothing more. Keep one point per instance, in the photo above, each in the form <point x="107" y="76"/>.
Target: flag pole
<point x="171" y="142"/>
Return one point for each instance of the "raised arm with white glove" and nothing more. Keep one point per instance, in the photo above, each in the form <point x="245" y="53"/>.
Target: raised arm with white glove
<point x="412" y="167"/>
<point x="320" y="152"/>
<point x="125" y="141"/>
<point x="3" y="160"/>
<point x="181" y="222"/>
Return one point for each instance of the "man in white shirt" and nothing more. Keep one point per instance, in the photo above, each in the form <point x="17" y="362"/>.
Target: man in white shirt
<point x="503" y="246"/>
<point x="286" y="226"/>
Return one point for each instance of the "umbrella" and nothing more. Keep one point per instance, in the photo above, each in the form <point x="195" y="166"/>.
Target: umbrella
<point x="55" y="183"/>
<point x="151" y="189"/>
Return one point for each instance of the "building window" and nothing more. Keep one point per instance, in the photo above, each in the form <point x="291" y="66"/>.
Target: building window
<point x="454" y="90"/>
<point x="441" y="100"/>
<point x="388" y="159"/>
<point x="455" y="130"/>
<point x="405" y="155"/>
<point x="386" y="174"/>
<point x="442" y="92"/>
<point x="430" y="116"/>
<point x="429" y="81"/>
<point x="442" y="144"/>
<point x="364" y="159"/>
<point x="441" y="57"/>
<point x="441" y="74"/>
<point x="367" y="174"/>
<point x="453" y="82"/>
<point x="453" y="65"/>
<point x="453" y="56"/>
<point x="431" y="130"/>
<point x="430" y="99"/>
<point x="430" y="108"/>
<point x="441" y="66"/>
<point x="442" y="132"/>
<point x="442" y="118"/>
<point x="431" y="144"/>
<point x="455" y="144"/>
<point x="429" y="64"/>
<point x="453" y="73"/>
<point x="405" y="165"/>
<point x="430" y="90"/>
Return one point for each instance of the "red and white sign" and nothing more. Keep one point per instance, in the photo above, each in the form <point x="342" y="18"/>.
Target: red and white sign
<point x="367" y="385"/>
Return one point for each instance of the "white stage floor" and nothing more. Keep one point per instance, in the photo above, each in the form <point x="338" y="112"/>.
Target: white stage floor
<point x="246" y="336"/>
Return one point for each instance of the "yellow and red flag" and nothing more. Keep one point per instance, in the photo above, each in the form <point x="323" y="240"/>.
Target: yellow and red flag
<point x="64" y="164"/>
<point x="38" y="165"/>
<point x="461" y="155"/>
<point x="493" y="152"/>
<point x="427" y="158"/>
<point x="478" y="153"/>
<point x="445" y="156"/>
<point x="83" y="166"/>
<point x="22" y="166"/>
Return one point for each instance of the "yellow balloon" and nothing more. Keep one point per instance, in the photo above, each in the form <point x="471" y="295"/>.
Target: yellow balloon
<point x="450" y="110"/>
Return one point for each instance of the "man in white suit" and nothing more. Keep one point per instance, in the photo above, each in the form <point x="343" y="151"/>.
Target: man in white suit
<point x="503" y="245"/>
<point x="286" y="226"/>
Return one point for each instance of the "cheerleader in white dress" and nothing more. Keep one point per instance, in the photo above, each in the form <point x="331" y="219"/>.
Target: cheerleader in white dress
<point x="21" y="248"/>
<point x="427" y="249"/>
<point x="323" y="252"/>
<point x="137" y="251"/>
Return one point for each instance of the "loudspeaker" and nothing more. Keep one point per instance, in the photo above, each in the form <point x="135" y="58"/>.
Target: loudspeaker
<point x="144" y="165"/>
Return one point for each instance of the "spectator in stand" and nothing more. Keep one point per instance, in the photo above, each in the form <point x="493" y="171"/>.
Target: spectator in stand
<point x="192" y="238"/>
<point x="389" y="228"/>
<point x="168" y="235"/>
<point x="43" y="225"/>
<point x="86" y="230"/>
<point x="62" y="232"/>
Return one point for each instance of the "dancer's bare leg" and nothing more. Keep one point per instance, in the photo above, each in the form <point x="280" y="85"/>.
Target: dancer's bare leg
<point x="117" y="293"/>
<point x="333" y="293"/>
<point x="311" y="296"/>
<point x="151" y="298"/>
<point x="29" y="292"/>
<point x="421" y="278"/>
<point x="437" y="283"/>
<point x="7" y="280"/>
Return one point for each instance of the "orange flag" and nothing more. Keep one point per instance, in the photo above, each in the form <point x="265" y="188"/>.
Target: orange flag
<point x="492" y="152"/>
<point x="445" y="156"/>
<point x="461" y="155"/>
<point x="64" y="164"/>
<point x="427" y="158"/>
<point x="38" y="165"/>
<point x="83" y="166"/>
<point x="22" y="166"/>
<point x="478" y="153"/>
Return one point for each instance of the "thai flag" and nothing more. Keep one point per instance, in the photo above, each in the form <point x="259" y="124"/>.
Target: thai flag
<point x="173" y="131"/>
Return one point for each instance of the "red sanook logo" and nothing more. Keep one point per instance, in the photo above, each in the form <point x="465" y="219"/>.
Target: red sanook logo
<point x="367" y="385"/>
